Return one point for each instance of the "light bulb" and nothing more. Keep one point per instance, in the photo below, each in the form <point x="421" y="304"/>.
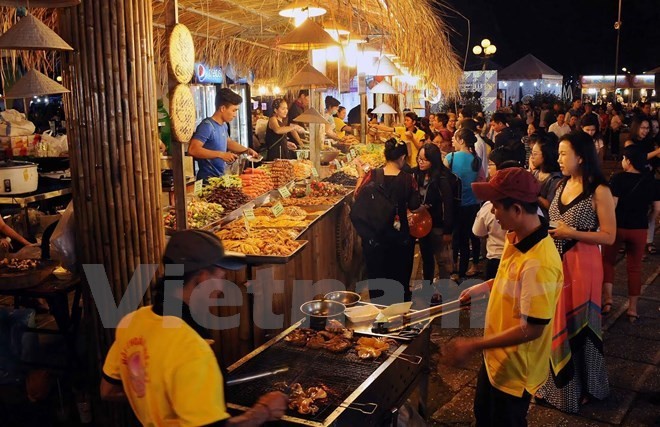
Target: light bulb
<point x="299" y="19"/>
<point x="485" y="43"/>
<point x="477" y="50"/>
<point x="59" y="78"/>
<point x="521" y="83"/>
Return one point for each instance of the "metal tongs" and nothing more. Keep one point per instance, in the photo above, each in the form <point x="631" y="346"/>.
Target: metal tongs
<point x="257" y="376"/>
<point x="398" y="323"/>
<point x="357" y="407"/>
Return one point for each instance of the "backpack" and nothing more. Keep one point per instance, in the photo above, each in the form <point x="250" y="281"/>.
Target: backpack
<point x="373" y="211"/>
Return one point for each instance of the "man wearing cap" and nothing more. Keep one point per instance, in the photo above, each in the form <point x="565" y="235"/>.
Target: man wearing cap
<point x="523" y="296"/>
<point x="161" y="363"/>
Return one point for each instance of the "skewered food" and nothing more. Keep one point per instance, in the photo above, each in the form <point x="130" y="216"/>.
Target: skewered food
<point x="256" y="182"/>
<point x="199" y="214"/>
<point x="230" y="198"/>
<point x="341" y="178"/>
<point x="326" y="189"/>
<point x="281" y="172"/>
<point x="304" y="400"/>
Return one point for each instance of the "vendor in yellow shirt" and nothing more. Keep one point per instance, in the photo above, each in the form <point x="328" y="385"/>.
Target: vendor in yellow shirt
<point x="523" y="297"/>
<point x="340" y="125"/>
<point x="410" y="134"/>
<point x="161" y="363"/>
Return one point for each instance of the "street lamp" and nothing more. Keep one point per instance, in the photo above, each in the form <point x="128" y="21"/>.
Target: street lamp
<point x="485" y="51"/>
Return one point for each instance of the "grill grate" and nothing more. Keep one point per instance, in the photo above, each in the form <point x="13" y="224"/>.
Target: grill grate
<point x="341" y="373"/>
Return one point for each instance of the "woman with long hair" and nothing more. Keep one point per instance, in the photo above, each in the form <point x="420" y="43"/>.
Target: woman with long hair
<point x="465" y="163"/>
<point x="590" y="126"/>
<point x="437" y="196"/>
<point x="545" y="167"/>
<point x="389" y="255"/>
<point x="278" y="133"/>
<point x="581" y="218"/>
<point x="634" y="190"/>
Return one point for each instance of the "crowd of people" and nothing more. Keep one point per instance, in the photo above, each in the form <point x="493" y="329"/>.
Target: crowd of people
<point x="588" y="217"/>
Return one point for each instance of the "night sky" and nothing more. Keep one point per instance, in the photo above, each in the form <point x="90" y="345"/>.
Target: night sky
<point x="572" y="36"/>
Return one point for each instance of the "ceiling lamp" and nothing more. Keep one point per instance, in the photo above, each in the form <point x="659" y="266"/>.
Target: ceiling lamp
<point x="309" y="76"/>
<point x="309" y="35"/>
<point x="31" y="34"/>
<point x="49" y="4"/>
<point x="384" y="67"/>
<point x="311" y="116"/>
<point x="335" y="29"/>
<point x="384" y="108"/>
<point x="302" y="8"/>
<point x="34" y="83"/>
<point x="384" y="88"/>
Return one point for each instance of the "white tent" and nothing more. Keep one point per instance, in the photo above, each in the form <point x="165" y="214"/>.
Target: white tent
<point x="527" y="76"/>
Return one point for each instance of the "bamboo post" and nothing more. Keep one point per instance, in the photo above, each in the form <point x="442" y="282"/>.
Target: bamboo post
<point x="112" y="140"/>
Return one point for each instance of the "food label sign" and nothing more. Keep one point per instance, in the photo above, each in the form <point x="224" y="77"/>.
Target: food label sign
<point x="277" y="209"/>
<point x="315" y="173"/>
<point x="198" y="187"/>
<point x="284" y="192"/>
<point x="249" y="214"/>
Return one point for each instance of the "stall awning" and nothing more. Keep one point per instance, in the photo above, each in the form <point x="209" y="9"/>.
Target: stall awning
<point x="528" y="67"/>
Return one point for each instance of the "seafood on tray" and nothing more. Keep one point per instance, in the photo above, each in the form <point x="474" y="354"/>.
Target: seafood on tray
<point x="371" y="348"/>
<point x="303" y="400"/>
<point x="256" y="246"/>
<point x="310" y="201"/>
<point x="272" y="235"/>
<point x="335" y="338"/>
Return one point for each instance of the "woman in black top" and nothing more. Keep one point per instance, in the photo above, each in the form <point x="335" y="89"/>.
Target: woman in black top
<point x="436" y="195"/>
<point x="634" y="190"/>
<point x="389" y="255"/>
<point x="277" y="134"/>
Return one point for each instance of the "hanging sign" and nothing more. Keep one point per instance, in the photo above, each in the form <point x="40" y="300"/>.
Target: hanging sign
<point x="206" y="74"/>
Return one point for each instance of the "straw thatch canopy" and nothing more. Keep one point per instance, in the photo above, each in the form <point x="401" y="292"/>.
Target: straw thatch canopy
<point x="34" y="83"/>
<point x="31" y="34"/>
<point x="245" y="34"/>
<point x="39" y="3"/>
<point x="309" y="76"/>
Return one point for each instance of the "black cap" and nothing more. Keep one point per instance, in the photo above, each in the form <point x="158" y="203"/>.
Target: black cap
<point x="197" y="249"/>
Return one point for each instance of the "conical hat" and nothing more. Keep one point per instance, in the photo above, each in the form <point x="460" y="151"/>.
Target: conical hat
<point x="384" y="67"/>
<point x="311" y="116"/>
<point x="384" y="109"/>
<point x="309" y="35"/>
<point x="34" y="83"/>
<point x="31" y="34"/>
<point x="385" y="88"/>
<point x="49" y="4"/>
<point x="302" y="7"/>
<point x="309" y="76"/>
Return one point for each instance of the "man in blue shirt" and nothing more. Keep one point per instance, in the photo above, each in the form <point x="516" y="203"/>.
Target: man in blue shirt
<point x="210" y="145"/>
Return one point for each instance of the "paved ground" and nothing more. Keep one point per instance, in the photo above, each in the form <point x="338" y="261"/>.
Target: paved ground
<point x="632" y="357"/>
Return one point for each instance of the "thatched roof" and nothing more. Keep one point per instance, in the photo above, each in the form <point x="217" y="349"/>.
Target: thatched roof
<point x="245" y="33"/>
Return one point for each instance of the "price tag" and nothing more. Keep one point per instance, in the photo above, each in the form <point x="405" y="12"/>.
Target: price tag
<point x="300" y="155"/>
<point x="341" y="164"/>
<point x="248" y="214"/>
<point x="349" y="157"/>
<point x="353" y="153"/>
<point x="315" y="173"/>
<point x="308" y="190"/>
<point x="337" y="164"/>
<point x="284" y="192"/>
<point x="198" y="187"/>
<point x="277" y="209"/>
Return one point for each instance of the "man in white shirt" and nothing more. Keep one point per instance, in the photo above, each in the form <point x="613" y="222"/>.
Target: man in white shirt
<point x="560" y="128"/>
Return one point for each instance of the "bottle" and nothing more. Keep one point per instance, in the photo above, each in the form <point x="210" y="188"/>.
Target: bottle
<point x="164" y="126"/>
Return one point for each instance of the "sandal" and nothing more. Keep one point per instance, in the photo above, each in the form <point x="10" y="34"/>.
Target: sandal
<point x="606" y="309"/>
<point x="650" y="248"/>
<point x="632" y="318"/>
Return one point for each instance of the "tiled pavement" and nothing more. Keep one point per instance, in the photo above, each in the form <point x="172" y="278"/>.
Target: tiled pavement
<point x="632" y="356"/>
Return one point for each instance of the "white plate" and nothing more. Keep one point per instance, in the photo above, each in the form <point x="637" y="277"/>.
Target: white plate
<point x="254" y="159"/>
<point x="362" y="313"/>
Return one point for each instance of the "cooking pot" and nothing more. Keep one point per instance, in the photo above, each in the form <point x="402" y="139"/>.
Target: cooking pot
<point x="319" y="312"/>
<point x="18" y="177"/>
<point x="349" y="299"/>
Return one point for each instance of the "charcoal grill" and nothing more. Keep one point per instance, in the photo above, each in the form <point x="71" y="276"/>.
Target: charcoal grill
<point x="357" y="387"/>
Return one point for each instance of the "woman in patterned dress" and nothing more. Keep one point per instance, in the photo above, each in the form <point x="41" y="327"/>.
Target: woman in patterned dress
<point x="582" y="215"/>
